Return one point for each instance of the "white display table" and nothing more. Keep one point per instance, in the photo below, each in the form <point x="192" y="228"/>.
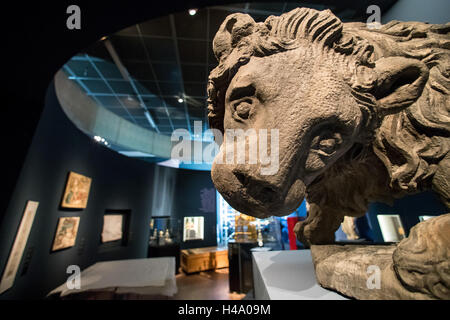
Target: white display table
<point x="137" y="278"/>
<point x="287" y="275"/>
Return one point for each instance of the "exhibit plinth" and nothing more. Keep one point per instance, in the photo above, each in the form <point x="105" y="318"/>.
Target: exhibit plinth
<point x="287" y="275"/>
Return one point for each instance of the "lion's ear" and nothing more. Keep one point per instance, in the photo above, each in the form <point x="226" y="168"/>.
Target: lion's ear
<point x="400" y="82"/>
<point x="235" y="27"/>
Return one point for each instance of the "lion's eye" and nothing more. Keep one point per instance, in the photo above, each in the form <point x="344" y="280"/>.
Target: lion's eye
<point x="241" y="99"/>
<point x="327" y="145"/>
<point x="243" y="109"/>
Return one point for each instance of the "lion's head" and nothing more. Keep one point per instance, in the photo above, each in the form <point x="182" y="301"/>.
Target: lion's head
<point x="329" y="88"/>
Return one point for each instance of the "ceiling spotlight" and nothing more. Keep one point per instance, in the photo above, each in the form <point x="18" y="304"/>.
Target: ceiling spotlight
<point x="180" y="100"/>
<point x="101" y="140"/>
<point x="103" y="38"/>
<point x="192" y="12"/>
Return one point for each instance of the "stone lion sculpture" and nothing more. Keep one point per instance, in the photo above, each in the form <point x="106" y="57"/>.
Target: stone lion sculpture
<point x="362" y="115"/>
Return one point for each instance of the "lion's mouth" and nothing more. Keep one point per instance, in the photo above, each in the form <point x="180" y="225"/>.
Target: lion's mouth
<point x="256" y="197"/>
<point x="257" y="189"/>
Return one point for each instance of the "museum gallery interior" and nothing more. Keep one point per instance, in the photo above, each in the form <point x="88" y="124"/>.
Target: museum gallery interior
<point x="237" y="151"/>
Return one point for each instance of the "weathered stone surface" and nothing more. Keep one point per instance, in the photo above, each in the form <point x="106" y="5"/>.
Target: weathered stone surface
<point x="344" y="268"/>
<point x="362" y="114"/>
<point x="418" y="268"/>
<point x="422" y="261"/>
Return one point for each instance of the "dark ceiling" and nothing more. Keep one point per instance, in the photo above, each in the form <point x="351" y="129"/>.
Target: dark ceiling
<point x="169" y="58"/>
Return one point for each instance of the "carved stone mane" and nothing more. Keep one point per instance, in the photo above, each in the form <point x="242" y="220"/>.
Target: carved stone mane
<point x="240" y="38"/>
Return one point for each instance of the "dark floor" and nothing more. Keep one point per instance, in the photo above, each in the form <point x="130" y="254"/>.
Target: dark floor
<point x="208" y="285"/>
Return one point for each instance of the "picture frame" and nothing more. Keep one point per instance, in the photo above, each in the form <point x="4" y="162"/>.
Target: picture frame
<point x="112" y="227"/>
<point x="108" y="237"/>
<point x="66" y="233"/>
<point x="15" y="256"/>
<point x="76" y="192"/>
<point x="193" y="228"/>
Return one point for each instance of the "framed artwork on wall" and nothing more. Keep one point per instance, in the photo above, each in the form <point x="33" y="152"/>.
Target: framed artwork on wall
<point x="112" y="227"/>
<point x="66" y="233"/>
<point x="76" y="193"/>
<point x="193" y="228"/>
<point x="19" y="246"/>
<point x="116" y="230"/>
<point x="391" y="227"/>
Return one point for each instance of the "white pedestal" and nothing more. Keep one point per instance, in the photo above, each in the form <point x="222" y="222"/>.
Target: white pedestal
<point x="287" y="275"/>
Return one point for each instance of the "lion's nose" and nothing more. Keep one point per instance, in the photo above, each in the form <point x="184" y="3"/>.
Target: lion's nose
<point x="255" y="187"/>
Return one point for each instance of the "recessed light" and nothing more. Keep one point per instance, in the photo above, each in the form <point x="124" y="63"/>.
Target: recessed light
<point x="180" y="100"/>
<point x="192" y="12"/>
<point x="103" y="38"/>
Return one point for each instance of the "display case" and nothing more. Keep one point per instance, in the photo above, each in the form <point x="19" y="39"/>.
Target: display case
<point x="269" y="233"/>
<point x="265" y="232"/>
<point x="250" y="235"/>
<point x="164" y="239"/>
<point x="164" y="230"/>
<point x="240" y="265"/>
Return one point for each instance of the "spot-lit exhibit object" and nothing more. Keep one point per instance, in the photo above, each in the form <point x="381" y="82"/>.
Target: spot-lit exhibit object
<point x="193" y="228"/>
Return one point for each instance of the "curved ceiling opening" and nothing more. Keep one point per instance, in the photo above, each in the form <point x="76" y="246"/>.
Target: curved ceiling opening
<point x="131" y="90"/>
